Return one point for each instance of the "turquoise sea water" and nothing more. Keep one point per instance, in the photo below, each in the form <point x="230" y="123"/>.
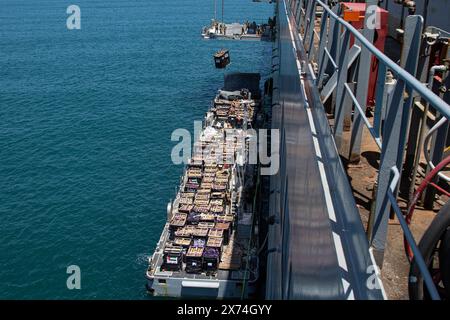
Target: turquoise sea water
<point x="85" y="124"/>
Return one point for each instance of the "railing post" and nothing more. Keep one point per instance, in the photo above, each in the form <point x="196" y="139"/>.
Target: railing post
<point x="323" y="38"/>
<point x="341" y="92"/>
<point x="335" y="28"/>
<point x="332" y="46"/>
<point x="409" y="60"/>
<point x="306" y="21"/>
<point x="323" y="58"/>
<point x="365" y="60"/>
<point x="391" y="139"/>
<point x="380" y="87"/>
<point x="296" y="6"/>
<point x="394" y="135"/>
<point x="298" y="14"/>
<point x="416" y="122"/>
<point x="301" y="20"/>
<point x="311" y="25"/>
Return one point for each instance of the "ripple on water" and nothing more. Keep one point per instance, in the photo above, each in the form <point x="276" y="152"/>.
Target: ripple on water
<point x="86" y="119"/>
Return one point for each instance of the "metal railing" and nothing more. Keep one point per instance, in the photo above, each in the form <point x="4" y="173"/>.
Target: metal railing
<point x="330" y="42"/>
<point x="410" y="238"/>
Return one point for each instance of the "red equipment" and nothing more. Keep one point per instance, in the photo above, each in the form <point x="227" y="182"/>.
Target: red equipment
<point x="354" y="14"/>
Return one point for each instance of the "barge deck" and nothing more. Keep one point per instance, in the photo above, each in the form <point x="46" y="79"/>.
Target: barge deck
<point x="206" y="248"/>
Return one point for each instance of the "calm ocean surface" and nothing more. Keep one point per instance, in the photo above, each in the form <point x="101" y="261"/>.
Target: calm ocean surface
<point x="85" y="124"/>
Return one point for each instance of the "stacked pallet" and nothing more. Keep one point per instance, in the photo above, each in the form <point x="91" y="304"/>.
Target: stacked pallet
<point x="231" y="257"/>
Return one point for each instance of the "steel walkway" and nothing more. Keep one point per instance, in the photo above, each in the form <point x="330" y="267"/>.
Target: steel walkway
<point x="317" y="245"/>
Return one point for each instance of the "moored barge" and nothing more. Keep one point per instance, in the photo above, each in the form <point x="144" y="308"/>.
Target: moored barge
<point x="207" y="248"/>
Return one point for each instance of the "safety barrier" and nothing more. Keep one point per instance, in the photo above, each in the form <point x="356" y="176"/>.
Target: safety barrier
<point x="331" y="64"/>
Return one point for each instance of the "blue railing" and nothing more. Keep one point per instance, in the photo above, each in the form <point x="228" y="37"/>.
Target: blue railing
<point x="410" y="238"/>
<point x="326" y="39"/>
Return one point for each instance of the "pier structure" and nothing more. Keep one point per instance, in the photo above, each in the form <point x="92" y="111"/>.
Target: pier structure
<point x="318" y="247"/>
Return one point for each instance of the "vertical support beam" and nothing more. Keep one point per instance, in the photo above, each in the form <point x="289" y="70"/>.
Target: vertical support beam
<point x="301" y="20"/>
<point x="323" y="38"/>
<point x="311" y="25"/>
<point x="394" y="136"/>
<point x="362" y="84"/>
<point x="391" y="138"/>
<point x="307" y="21"/>
<point x="296" y="6"/>
<point x="335" y="27"/>
<point x="378" y="113"/>
<point x="409" y="60"/>
<point x="411" y="148"/>
<point x="323" y="58"/>
<point x="333" y="46"/>
<point x="341" y="92"/>
<point x="416" y="123"/>
<point x="298" y="14"/>
<point x="348" y="107"/>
